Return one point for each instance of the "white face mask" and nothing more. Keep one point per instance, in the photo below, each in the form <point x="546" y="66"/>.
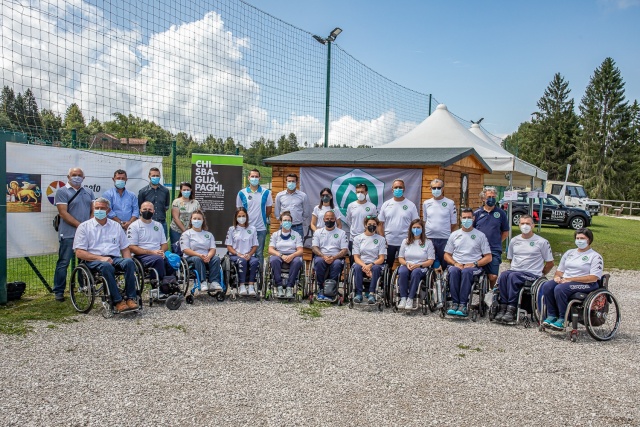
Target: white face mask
<point x="197" y="223"/>
<point x="437" y="192"/>
<point x="582" y="243"/>
<point x="361" y="196"/>
<point x="525" y="228"/>
<point x="242" y="219"/>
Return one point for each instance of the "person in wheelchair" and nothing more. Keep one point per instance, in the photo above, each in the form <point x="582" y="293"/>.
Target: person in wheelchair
<point x="242" y="243"/>
<point x="285" y="247"/>
<point x="369" y="252"/>
<point x="579" y="271"/>
<point x="329" y="246"/>
<point x="531" y="258"/>
<point x="416" y="255"/>
<point x="198" y="246"/>
<point x="148" y="242"/>
<point x="466" y="252"/>
<point x="103" y="245"/>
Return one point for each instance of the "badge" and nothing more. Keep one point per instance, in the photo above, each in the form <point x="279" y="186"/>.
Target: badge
<point x="248" y="231"/>
<point x="532" y="244"/>
<point x="335" y="235"/>
<point x="444" y="204"/>
<point x="367" y="209"/>
<point x="206" y="236"/>
<point x="473" y="237"/>
<point x="585" y="258"/>
<point x="496" y="214"/>
<point x="375" y="241"/>
<point x="405" y="207"/>
<point x="155" y="227"/>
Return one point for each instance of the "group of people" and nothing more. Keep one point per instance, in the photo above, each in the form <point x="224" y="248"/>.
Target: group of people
<point x="105" y="232"/>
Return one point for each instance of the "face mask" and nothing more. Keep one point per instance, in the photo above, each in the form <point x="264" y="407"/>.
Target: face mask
<point x="99" y="214"/>
<point x="325" y="199"/>
<point x="197" y="223"/>
<point x="120" y="183"/>
<point x="416" y="231"/>
<point x="291" y="186"/>
<point x="437" y="192"/>
<point x="398" y="192"/>
<point x="254" y="181"/>
<point x="242" y="219"/>
<point x="146" y="214"/>
<point x="329" y="224"/>
<point x="76" y="180"/>
<point x="491" y="201"/>
<point x="361" y="196"/>
<point x="582" y="243"/>
<point x="286" y="225"/>
<point x="155" y="180"/>
<point x="186" y="194"/>
<point x="467" y="222"/>
<point x="371" y="228"/>
<point x="526" y="228"/>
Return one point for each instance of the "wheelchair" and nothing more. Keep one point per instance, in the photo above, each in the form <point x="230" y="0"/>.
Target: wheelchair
<point x="381" y="291"/>
<point x="189" y="280"/>
<point x="172" y="294"/>
<point x="87" y="285"/>
<point x="477" y="305"/>
<point x="426" y="298"/>
<point x="598" y="311"/>
<point x="270" y="283"/>
<point x="527" y="307"/>
<point x="311" y="285"/>
<point x="230" y="278"/>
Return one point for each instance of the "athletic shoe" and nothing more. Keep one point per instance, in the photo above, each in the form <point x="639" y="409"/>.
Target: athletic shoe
<point x="252" y="291"/>
<point x="409" y="305"/>
<point x="452" y="311"/>
<point x="358" y="299"/>
<point x="121" y="306"/>
<point x="502" y="310"/>
<point x="462" y="311"/>
<point x="371" y="298"/>
<point x="402" y="303"/>
<point x="243" y="290"/>
<point x="215" y="286"/>
<point x="549" y="321"/>
<point x="558" y="324"/>
<point x="59" y="297"/>
<point x="131" y="304"/>
<point x="289" y="293"/>
<point x="280" y="292"/>
<point x="510" y="315"/>
<point x="204" y="287"/>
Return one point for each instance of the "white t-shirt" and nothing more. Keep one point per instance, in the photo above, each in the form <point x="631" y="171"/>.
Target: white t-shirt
<point x="285" y="246"/>
<point x="438" y="217"/>
<point x="104" y="240"/>
<point x="576" y="264"/>
<point x="356" y="214"/>
<point x="319" y="213"/>
<point x="467" y="247"/>
<point x="417" y="253"/>
<point x="529" y="255"/>
<point x="198" y="241"/>
<point x="330" y="242"/>
<point x="369" y="247"/>
<point x="396" y="217"/>
<point x="146" y="236"/>
<point x="242" y="239"/>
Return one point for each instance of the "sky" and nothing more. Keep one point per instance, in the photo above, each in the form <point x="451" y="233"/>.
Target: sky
<point x="491" y="58"/>
<point x="221" y="67"/>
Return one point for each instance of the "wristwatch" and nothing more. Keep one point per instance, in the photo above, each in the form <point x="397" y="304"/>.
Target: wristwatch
<point x="476" y="264"/>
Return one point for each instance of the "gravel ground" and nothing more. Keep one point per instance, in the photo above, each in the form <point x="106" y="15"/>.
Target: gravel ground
<point x="265" y="364"/>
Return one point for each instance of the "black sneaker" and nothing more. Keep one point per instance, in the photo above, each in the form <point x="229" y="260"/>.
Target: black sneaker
<point x="502" y="310"/>
<point x="510" y="315"/>
<point x="59" y="298"/>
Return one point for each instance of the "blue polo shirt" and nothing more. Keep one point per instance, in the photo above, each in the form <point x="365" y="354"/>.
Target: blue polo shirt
<point x="492" y="224"/>
<point x="124" y="207"/>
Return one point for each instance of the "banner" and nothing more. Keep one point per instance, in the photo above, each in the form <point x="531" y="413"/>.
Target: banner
<point x="343" y="181"/>
<point x="34" y="174"/>
<point x="216" y="180"/>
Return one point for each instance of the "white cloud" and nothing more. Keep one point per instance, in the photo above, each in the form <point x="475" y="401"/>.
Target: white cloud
<point x="378" y="131"/>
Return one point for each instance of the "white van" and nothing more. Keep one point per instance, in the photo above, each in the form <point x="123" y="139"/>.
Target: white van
<point x="574" y="196"/>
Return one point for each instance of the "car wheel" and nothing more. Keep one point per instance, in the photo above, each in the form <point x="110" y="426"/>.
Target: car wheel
<point x="515" y="219"/>
<point x="577" y="222"/>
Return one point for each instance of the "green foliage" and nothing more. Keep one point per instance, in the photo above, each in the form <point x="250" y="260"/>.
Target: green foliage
<point x="16" y="315"/>
<point x="51" y="125"/>
<point x="73" y="119"/>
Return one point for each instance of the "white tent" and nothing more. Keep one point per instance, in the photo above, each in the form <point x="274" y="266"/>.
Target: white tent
<point x="477" y="131"/>
<point x="441" y="129"/>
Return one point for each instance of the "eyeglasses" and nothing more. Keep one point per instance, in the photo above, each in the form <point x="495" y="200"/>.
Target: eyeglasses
<point x="436" y="188"/>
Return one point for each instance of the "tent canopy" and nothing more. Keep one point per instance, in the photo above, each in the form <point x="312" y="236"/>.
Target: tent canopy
<point x="441" y="129"/>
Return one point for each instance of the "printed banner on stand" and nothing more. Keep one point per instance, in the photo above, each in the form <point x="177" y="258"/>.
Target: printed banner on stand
<point x="216" y="179"/>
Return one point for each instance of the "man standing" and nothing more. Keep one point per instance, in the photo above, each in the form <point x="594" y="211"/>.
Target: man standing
<point x="294" y="201"/>
<point x="493" y="222"/>
<point x="531" y="258"/>
<point x="440" y="219"/>
<point x="395" y="216"/>
<point x="157" y="194"/>
<point x="356" y="213"/>
<point x="148" y="242"/>
<point x="123" y="203"/>
<point x="329" y="247"/>
<point x="258" y="203"/>
<point x="104" y="246"/>
<point x="75" y="205"/>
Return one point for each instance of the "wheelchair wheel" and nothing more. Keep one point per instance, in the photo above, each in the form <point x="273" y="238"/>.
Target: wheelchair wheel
<point x="81" y="289"/>
<point x="173" y="302"/>
<point x="601" y="315"/>
<point x="535" y="316"/>
<point x="349" y="289"/>
<point x="393" y="291"/>
<point x="444" y="293"/>
<point x="432" y="290"/>
<point x="482" y="290"/>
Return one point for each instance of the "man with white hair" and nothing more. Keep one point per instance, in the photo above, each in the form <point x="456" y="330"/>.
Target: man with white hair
<point x="440" y="219"/>
<point x="494" y="223"/>
<point x="74" y="204"/>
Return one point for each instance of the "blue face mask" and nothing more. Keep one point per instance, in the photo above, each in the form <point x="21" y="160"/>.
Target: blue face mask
<point x="416" y="231"/>
<point x="467" y="222"/>
<point x="120" y="183"/>
<point x="437" y="192"/>
<point x="155" y="180"/>
<point x="286" y="225"/>
<point x="186" y="194"/>
<point x="582" y="243"/>
<point x="291" y="186"/>
<point x="491" y="201"/>
<point x="99" y="214"/>
<point x="254" y="181"/>
<point x="398" y="192"/>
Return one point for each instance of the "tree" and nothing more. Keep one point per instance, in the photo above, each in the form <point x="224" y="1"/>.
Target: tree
<point x="73" y="119"/>
<point x="229" y="146"/>
<point x="94" y="126"/>
<point x="605" y="148"/>
<point x="32" y="114"/>
<point x="7" y="110"/>
<point x="51" y="125"/>
<point x="20" y="111"/>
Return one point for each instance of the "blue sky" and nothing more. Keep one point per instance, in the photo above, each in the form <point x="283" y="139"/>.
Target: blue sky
<point x="490" y="59"/>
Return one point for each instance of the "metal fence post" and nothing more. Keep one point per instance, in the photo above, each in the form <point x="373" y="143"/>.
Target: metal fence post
<point x="3" y="229"/>
<point x="173" y="169"/>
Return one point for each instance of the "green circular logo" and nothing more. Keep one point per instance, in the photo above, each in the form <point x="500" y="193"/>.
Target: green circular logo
<point x="473" y="236"/>
<point x="367" y="209"/>
<point x="293" y="237"/>
<point x="405" y="207"/>
<point x="344" y="188"/>
<point x="248" y="231"/>
<point x="532" y="244"/>
<point x="375" y="241"/>
<point x="422" y="246"/>
<point x="444" y="204"/>
<point x="585" y="258"/>
<point x="335" y="235"/>
<point x="206" y="236"/>
<point x="155" y="227"/>
<point x="496" y="214"/>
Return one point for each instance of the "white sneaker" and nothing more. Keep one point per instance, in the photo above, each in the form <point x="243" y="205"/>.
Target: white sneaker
<point x="409" y="305"/>
<point x="280" y="292"/>
<point x="289" y="292"/>
<point x="243" y="290"/>
<point x="252" y="291"/>
<point x="215" y="286"/>
<point x="204" y="287"/>
<point x="402" y="303"/>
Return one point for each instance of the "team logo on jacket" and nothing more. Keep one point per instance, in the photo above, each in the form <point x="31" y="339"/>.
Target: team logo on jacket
<point x="155" y="227"/>
<point x="405" y="207"/>
<point x="496" y="214"/>
<point x="206" y="236"/>
<point x="422" y="246"/>
<point x="375" y="241"/>
<point x="248" y="231"/>
<point x="335" y="235"/>
<point x="532" y="244"/>
<point x="367" y="209"/>
<point x="473" y="236"/>
<point x="585" y="258"/>
<point x="444" y="204"/>
<point x="250" y="197"/>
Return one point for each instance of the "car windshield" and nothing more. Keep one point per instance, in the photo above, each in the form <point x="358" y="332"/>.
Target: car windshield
<point x="579" y="192"/>
<point x="551" y="201"/>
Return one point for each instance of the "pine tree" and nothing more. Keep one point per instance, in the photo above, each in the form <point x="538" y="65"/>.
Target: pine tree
<point x="604" y="158"/>
<point x="73" y="119"/>
<point x="32" y="114"/>
<point x="51" y="124"/>
<point x="7" y="110"/>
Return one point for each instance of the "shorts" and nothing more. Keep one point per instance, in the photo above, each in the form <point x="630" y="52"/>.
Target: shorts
<point x="494" y="266"/>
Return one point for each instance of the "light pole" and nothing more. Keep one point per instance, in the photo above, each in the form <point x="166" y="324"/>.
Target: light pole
<point x="331" y="38"/>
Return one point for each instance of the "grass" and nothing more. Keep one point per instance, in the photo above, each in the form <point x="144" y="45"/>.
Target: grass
<point x="16" y="315"/>
<point x="169" y="327"/>
<point x="313" y="311"/>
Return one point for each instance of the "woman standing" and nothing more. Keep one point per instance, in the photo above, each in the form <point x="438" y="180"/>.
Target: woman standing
<point x="181" y="210"/>
<point x="242" y="243"/>
<point x="326" y="204"/>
